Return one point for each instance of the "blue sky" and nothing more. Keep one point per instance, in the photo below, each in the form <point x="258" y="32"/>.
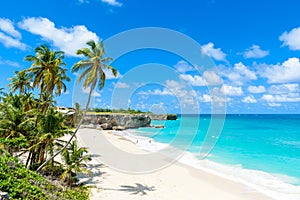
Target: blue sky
<point x="255" y="46"/>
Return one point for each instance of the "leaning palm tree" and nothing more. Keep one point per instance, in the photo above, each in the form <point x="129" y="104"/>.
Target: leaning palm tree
<point x="20" y="82"/>
<point x="93" y="71"/>
<point x="77" y="114"/>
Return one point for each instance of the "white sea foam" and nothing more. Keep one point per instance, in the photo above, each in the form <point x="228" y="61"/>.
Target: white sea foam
<point x="270" y="185"/>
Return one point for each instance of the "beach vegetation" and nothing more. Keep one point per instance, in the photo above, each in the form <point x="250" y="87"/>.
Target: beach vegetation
<point x="47" y="71"/>
<point x="75" y="159"/>
<point x="31" y="130"/>
<point x="92" y="68"/>
<point x="20" y="82"/>
<point x="22" y="183"/>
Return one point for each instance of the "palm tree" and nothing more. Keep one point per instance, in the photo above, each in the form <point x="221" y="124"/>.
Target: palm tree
<point x="47" y="70"/>
<point x="93" y="72"/>
<point x="50" y="128"/>
<point x="15" y="125"/>
<point x="28" y="101"/>
<point x="20" y="82"/>
<point x="74" y="159"/>
<point x="14" y="100"/>
<point x="78" y="114"/>
<point x="1" y="93"/>
<point x="44" y="139"/>
<point x="46" y="101"/>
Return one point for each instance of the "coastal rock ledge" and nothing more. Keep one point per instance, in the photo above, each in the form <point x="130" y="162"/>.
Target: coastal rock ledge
<point x="117" y="121"/>
<point x="163" y="116"/>
<point x="122" y="121"/>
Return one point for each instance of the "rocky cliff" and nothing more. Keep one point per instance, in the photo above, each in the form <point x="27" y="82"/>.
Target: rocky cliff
<point x="123" y="121"/>
<point x="163" y="117"/>
<point x="117" y="121"/>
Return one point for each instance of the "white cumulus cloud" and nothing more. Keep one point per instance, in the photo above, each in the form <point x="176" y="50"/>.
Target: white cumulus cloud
<point x="8" y="42"/>
<point x="282" y="98"/>
<point x="209" y="78"/>
<point x="215" y="53"/>
<point x="181" y="91"/>
<point x="256" y="89"/>
<point x="274" y="104"/>
<point x="249" y="99"/>
<point x="205" y="98"/>
<point x="283" y="93"/>
<point x="212" y="78"/>
<point x="122" y="85"/>
<point x="255" y="52"/>
<point x="110" y="75"/>
<point x="288" y="71"/>
<point x="7" y="26"/>
<point x="284" y="88"/>
<point x="68" y="40"/>
<point x="163" y="92"/>
<point x="87" y="91"/>
<point x="231" y="90"/>
<point x="239" y="74"/>
<point x="193" y="80"/>
<point x="9" y="36"/>
<point x="182" y="66"/>
<point x="112" y="2"/>
<point x="291" y="39"/>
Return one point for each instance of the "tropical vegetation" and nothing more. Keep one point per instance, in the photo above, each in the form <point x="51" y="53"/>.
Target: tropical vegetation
<point x="22" y="183"/>
<point x="31" y="128"/>
<point x="93" y="66"/>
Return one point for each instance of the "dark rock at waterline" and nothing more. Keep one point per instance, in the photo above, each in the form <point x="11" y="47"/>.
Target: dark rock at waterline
<point x="158" y="126"/>
<point x="163" y="116"/>
<point x="106" y="126"/>
<point x="118" y="128"/>
<point x="172" y="117"/>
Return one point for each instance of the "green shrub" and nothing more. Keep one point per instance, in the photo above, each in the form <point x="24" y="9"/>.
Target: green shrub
<point x="22" y="183"/>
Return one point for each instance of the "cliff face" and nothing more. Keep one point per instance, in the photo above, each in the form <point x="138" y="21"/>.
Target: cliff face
<point x="118" y="121"/>
<point x="123" y="121"/>
<point x="163" y="117"/>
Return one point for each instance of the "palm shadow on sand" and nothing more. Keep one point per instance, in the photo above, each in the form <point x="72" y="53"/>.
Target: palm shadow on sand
<point x="138" y="189"/>
<point x="95" y="171"/>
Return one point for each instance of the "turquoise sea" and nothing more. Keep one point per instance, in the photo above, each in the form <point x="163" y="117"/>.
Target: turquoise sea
<point x="262" y="150"/>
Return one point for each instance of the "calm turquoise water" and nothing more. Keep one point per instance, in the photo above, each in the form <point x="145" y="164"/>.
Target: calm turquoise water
<point x="269" y="143"/>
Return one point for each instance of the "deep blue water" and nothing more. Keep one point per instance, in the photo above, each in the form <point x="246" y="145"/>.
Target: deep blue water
<point x="269" y="143"/>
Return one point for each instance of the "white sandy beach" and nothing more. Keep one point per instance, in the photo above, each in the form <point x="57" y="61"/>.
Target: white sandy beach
<point x="176" y="181"/>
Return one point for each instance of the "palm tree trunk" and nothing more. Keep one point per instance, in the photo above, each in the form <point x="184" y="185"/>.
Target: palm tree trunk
<point x="28" y="158"/>
<point x="74" y="134"/>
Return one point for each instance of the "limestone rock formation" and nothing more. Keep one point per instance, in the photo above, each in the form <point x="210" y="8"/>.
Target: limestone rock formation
<point x="118" y="121"/>
<point x="163" y="117"/>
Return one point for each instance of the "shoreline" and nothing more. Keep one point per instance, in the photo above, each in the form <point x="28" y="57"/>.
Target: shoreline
<point x="263" y="182"/>
<point x="177" y="181"/>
